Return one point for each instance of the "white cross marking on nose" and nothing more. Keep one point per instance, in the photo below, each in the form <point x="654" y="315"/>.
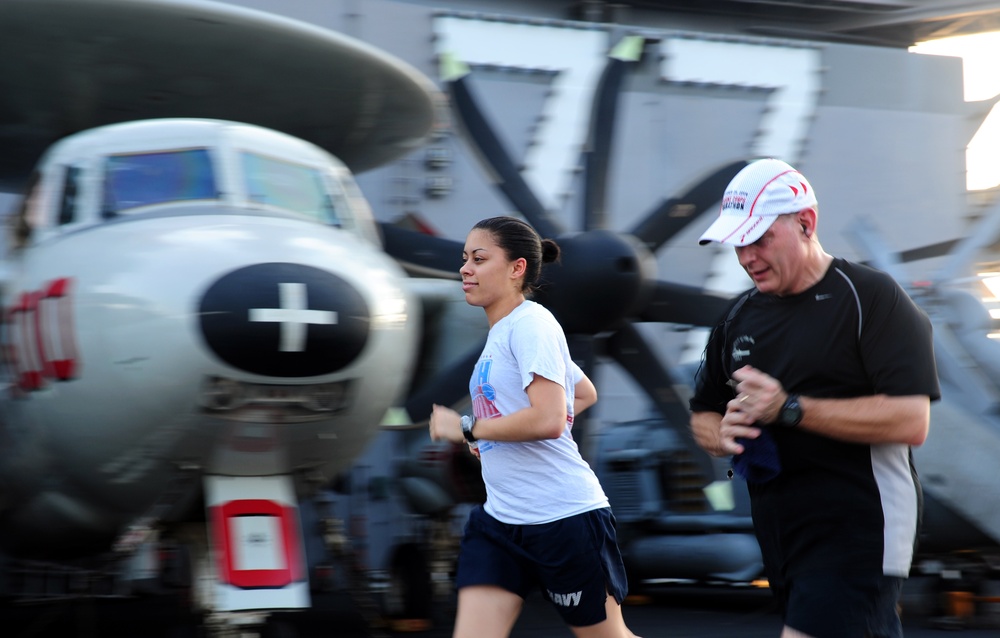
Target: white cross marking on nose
<point x="293" y="315"/>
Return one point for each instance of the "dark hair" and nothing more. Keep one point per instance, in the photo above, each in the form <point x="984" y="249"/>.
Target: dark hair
<point x="518" y="239"/>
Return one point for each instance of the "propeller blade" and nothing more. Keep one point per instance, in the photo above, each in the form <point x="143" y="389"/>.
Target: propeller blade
<point x="581" y="348"/>
<point x="674" y="214"/>
<point x="603" y="115"/>
<point x="492" y="153"/>
<point x="677" y="303"/>
<point x="865" y="235"/>
<point x="447" y="387"/>
<point x="983" y="234"/>
<point x="628" y="347"/>
<point x="421" y="254"/>
<point x="940" y="249"/>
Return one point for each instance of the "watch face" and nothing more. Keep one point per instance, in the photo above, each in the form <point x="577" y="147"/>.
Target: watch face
<point x="791" y="412"/>
<point x="467" y="424"/>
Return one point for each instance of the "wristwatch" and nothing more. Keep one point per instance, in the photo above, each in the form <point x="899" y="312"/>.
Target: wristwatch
<point x="790" y="414"/>
<point x="468" y="422"/>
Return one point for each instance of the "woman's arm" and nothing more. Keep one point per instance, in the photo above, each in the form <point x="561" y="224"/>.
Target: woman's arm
<point x="545" y="418"/>
<point x="585" y="395"/>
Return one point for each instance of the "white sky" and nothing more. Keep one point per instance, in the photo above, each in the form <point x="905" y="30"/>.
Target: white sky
<point x="982" y="82"/>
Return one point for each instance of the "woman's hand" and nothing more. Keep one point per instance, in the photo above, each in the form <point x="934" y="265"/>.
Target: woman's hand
<point x="446" y="425"/>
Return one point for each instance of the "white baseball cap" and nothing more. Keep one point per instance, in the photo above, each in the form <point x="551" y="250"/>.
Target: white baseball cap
<point x="754" y="198"/>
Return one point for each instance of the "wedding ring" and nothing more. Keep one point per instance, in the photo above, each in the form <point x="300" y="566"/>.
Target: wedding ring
<point x="744" y="398"/>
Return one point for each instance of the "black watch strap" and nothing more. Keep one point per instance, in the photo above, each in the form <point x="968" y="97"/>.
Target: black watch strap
<point x="790" y="414"/>
<point x="468" y="422"/>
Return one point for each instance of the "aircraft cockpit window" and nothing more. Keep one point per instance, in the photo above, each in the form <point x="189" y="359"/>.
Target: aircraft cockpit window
<point x="294" y="187"/>
<point x="70" y="195"/>
<point x="144" y="179"/>
<point x="27" y="217"/>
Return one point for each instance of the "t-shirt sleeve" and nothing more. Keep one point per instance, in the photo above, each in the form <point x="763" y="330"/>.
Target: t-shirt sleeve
<point x="711" y="393"/>
<point x="536" y="344"/>
<point x="897" y="344"/>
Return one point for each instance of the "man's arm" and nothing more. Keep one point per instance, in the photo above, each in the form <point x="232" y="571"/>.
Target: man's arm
<point x="873" y="420"/>
<point x="706" y="427"/>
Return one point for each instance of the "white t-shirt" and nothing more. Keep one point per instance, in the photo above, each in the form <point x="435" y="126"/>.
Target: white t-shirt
<point x="530" y="482"/>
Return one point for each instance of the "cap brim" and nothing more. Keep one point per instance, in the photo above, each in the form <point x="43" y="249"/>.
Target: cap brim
<point x="737" y="231"/>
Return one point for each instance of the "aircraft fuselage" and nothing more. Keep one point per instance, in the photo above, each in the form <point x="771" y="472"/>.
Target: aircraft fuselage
<point x="188" y="296"/>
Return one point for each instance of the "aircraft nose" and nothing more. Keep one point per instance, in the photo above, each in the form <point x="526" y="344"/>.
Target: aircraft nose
<point x="284" y="320"/>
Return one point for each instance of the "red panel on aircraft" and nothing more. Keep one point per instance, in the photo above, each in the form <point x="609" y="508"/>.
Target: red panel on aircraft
<point x="229" y="572"/>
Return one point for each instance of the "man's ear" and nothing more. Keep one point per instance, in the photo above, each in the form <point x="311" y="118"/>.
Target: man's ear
<point x="807" y="221"/>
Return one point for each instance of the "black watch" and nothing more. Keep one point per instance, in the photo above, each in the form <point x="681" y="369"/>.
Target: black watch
<point x="790" y="414"/>
<point x="468" y="422"/>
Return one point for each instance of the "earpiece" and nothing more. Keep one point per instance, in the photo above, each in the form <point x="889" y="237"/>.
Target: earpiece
<point x="805" y="231"/>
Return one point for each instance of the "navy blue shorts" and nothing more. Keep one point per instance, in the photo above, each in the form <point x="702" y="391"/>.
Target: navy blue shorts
<point x="574" y="562"/>
<point x="847" y="604"/>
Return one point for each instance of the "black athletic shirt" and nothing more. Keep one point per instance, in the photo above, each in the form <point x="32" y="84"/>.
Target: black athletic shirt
<point x="855" y="333"/>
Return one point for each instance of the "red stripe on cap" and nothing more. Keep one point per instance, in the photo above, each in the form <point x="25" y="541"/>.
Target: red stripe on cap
<point x="754" y="204"/>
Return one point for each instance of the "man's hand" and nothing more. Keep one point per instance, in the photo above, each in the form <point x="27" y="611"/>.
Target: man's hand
<point x="736" y="424"/>
<point x="717" y="434"/>
<point x="760" y="396"/>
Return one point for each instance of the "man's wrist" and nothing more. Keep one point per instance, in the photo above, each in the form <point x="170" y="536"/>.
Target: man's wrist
<point x="790" y="413"/>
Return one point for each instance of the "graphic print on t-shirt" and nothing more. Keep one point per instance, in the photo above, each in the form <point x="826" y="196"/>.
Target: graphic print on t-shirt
<point x="484" y="395"/>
